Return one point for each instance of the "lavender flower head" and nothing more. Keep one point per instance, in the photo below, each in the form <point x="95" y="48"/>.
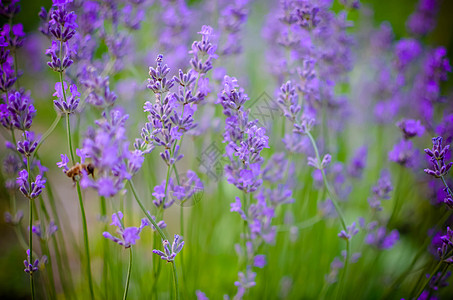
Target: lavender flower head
<point x="404" y="154"/>
<point x="127" y="235"/>
<point x="30" y="267"/>
<point x="33" y="190"/>
<point x="66" y="103"/>
<point x="437" y="159"/>
<point x="411" y="128"/>
<point x="170" y="252"/>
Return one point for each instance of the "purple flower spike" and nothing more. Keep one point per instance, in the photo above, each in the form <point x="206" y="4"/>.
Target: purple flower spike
<point x="237" y="207"/>
<point x="351" y="231"/>
<point x="127" y="235"/>
<point x="21" y="110"/>
<point x="28" y="145"/>
<point x="170" y="253"/>
<point x="380" y="239"/>
<point x="63" y="163"/>
<point x="36" y="187"/>
<point x="437" y="158"/>
<point x="30" y="267"/>
<point x="69" y="104"/>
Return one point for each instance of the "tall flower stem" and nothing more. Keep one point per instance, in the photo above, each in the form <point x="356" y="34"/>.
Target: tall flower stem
<point x="48" y="132"/>
<point x="85" y="239"/>
<point x="30" y="235"/>
<point x="82" y="209"/>
<point x="332" y="194"/>
<point x="68" y="131"/>
<point x="126" y="288"/>
<point x="175" y="277"/>
<point x="162" y="234"/>
<point x="32" y="285"/>
<point x="137" y="198"/>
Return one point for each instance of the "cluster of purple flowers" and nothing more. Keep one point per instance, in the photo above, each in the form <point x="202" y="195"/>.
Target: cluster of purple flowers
<point x="171" y="116"/>
<point x="127" y="235"/>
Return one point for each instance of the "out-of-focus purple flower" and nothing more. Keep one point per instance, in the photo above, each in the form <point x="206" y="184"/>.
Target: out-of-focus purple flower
<point x="127" y="235"/>
<point x="313" y="161"/>
<point x="423" y="20"/>
<point x="407" y="50"/>
<point x="350" y="4"/>
<point x="170" y="253"/>
<point x="9" y="219"/>
<point x="9" y="8"/>
<point x="259" y="261"/>
<point x="64" y="163"/>
<point x="237" y="207"/>
<point x="67" y="102"/>
<point x="245" y="282"/>
<point x="351" y="231"/>
<point x="411" y="128"/>
<point x="200" y="295"/>
<point x="437" y="159"/>
<point x="358" y="162"/>
<point x="289" y="102"/>
<point x="380" y="239"/>
<point x="232" y="18"/>
<point x="50" y="230"/>
<point x="404" y="154"/>
<point x="33" y="190"/>
<point x="98" y="88"/>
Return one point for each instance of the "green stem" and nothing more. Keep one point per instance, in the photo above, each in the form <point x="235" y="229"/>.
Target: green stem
<point x="48" y="132"/>
<point x="332" y="194"/>
<point x="420" y="291"/>
<point x="126" y="288"/>
<point x="446" y="185"/>
<point x="30" y="235"/>
<point x="159" y="230"/>
<point x="68" y="130"/>
<point x="175" y="276"/>
<point x="32" y="285"/>
<point x="105" y="249"/>
<point x="85" y="238"/>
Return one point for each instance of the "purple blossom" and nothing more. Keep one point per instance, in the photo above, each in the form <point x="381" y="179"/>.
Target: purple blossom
<point x="404" y="154"/>
<point x="32" y="190"/>
<point x="9" y="219"/>
<point x="31" y="267"/>
<point x="411" y="128"/>
<point x="245" y="282"/>
<point x="406" y="51"/>
<point x="351" y="231"/>
<point x="63" y="163"/>
<point x="127" y="235"/>
<point x="237" y="207"/>
<point x="21" y="110"/>
<point x="358" y="162"/>
<point x="170" y="253"/>
<point x="437" y="158"/>
<point x="50" y="230"/>
<point x="423" y="20"/>
<point x="259" y="261"/>
<point x="380" y="239"/>
<point x="29" y="143"/>
<point x="67" y="103"/>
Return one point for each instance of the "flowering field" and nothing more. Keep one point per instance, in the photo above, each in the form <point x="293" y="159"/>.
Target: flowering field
<point x="293" y="149"/>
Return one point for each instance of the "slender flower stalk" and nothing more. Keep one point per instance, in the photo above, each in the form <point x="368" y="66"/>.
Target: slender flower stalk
<point x="128" y="276"/>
